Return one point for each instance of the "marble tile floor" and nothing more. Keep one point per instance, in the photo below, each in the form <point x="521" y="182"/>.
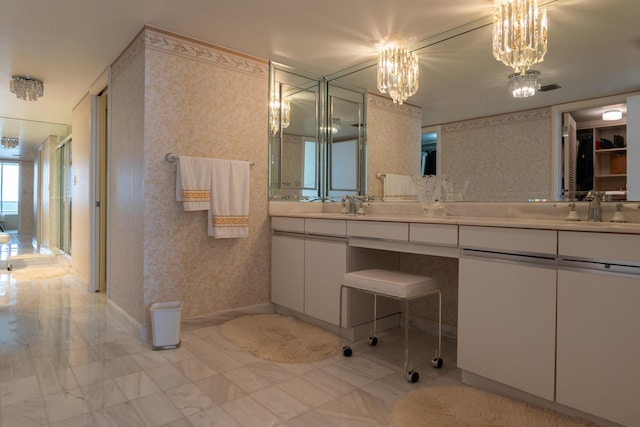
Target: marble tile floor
<point x="66" y="361"/>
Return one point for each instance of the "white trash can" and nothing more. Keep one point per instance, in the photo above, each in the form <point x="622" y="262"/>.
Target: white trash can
<point x="165" y="324"/>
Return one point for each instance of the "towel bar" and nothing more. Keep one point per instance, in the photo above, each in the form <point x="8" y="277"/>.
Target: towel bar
<point x="171" y="158"/>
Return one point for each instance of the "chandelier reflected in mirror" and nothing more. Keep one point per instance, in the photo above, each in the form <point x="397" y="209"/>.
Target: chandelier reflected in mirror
<point x="519" y="34"/>
<point x="398" y="73"/>
<point x="26" y="88"/>
<point x="279" y="113"/>
<point x="524" y="84"/>
<point x="8" y="142"/>
<point x="334" y="128"/>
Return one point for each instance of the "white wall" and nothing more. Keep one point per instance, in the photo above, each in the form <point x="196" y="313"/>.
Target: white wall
<point x="80" y="192"/>
<point x="633" y="147"/>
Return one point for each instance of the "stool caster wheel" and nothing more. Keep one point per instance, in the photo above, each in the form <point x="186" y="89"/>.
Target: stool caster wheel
<point x="437" y="362"/>
<point x="10" y="267"/>
<point x="346" y="351"/>
<point x="413" y="376"/>
<point x="373" y="341"/>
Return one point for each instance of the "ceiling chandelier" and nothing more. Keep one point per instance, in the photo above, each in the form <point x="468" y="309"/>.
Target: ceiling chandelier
<point x="8" y="142"/>
<point x="524" y="84"/>
<point x="520" y="34"/>
<point x="26" y="88"/>
<point x="398" y="73"/>
<point x="280" y="113"/>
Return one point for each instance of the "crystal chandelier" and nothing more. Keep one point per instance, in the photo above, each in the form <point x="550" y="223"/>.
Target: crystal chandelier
<point x="26" y="88"/>
<point x="335" y="126"/>
<point x="279" y="112"/>
<point x="8" y="142"/>
<point x="398" y="73"/>
<point x="520" y="34"/>
<point x="524" y="84"/>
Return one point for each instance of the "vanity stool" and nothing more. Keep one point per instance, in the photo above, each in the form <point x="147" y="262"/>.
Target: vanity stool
<point x="396" y="285"/>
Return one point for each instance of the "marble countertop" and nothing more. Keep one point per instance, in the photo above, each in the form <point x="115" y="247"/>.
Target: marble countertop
<point x="487" y="221"/>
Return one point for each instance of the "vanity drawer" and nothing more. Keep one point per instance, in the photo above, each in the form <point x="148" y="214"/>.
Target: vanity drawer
<point x="599" y="246"/>
<point x="378" y="230"/>
<point x="281" y="223"/>
<point x="502" y="239"/>
<point x="437" y="234"/>
<point x="326" y="227"/>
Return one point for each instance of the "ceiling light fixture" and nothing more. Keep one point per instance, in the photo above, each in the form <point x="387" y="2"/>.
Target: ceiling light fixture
<point x="8" y="142"/>
<point x="524" y="84"/>
<point x="280" y="113"/>
<point x="612" y="115"/>
<point x="519" y="34"/>
<point x="26" y="88"/>
<point x="398" y="73"/>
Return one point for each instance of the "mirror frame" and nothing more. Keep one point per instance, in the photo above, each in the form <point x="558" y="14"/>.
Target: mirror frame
<point x="280" y="76"/>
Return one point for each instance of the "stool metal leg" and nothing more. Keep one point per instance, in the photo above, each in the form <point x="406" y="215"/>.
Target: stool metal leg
<point x="437" y="361"/>
<point x="373" y="338"/>
<point x="346" y="350"/>
<point x="412" y="376"/>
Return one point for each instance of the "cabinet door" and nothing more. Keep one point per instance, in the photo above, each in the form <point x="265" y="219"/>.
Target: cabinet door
<point x="598" y="364"/>
<point x="325" y="265"/>
<point x="506" y="323"/>
<point x="287" y="271"/>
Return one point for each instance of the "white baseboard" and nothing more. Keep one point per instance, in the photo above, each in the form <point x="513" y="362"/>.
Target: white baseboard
<point x="133" y="326"/>
<point x="483" y="383"/>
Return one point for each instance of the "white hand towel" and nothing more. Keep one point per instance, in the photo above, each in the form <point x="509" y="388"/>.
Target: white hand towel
<point x="398" y="188"/>
<point x="193" y="183"/>
<point x="229" y="211"/>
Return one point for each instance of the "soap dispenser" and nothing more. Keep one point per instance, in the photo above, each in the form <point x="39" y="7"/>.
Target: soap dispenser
<point x="573" y="215"/>
<point x="618" y="216"/>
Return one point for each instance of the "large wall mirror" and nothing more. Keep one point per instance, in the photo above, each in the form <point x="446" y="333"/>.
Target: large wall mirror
<point x="512" y="148"/>
<point x="317" y="143"/>
<point x="345" y="142"/>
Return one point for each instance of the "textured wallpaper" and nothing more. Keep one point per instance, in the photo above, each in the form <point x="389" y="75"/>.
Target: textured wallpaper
<point x="221" y="114"/>
<point x="506" y="157"/>
<point x="126" y="203"/>
<point x="194" y="99"/>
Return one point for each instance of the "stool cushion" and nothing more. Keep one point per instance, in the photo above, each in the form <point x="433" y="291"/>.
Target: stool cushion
<point x="5" y="238"/>
<point x="391" y="283"/>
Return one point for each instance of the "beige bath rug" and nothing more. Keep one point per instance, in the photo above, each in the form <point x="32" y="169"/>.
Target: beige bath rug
<point x="282" y="339"/>
<point x="38" y="273"/>
<point x="463" y="406"/>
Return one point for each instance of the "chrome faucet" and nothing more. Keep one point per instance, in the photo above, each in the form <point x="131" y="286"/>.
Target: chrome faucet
<point x="352" y="204"/>
<point x="594" y="212"/>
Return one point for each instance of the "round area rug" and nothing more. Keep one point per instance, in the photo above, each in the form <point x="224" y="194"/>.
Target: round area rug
<point x="463" y="406"/>
<point x="38" y="273"/>
<point x="282" y="339"/>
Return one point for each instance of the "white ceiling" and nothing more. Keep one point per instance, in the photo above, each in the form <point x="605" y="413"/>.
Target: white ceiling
<point x="594" y="48"/>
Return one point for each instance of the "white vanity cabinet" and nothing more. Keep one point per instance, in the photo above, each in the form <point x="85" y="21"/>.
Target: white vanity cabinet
<point x="324" y="267"/>
<point x="287" y="271"/>
<point x="598" y="350"/>
<point x="308" y="261"/>
<point x="507" y="306"/>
